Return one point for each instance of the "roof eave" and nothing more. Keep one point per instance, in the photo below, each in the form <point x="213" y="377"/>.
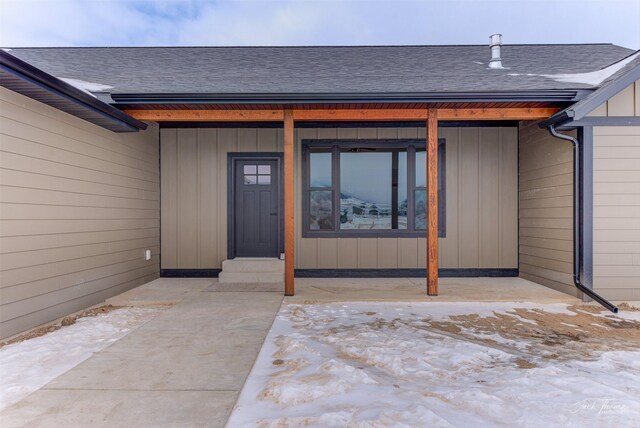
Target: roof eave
<point x="570" y="95"/>
<point x="580" y="109"/>
<point x="558" y="119"/>
<point x="20" y="76"/>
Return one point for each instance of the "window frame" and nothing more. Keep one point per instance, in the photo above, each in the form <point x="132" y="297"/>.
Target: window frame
<point x="335" y="146"/>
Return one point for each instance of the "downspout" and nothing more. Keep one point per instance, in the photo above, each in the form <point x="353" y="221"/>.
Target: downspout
<point x="577" y="216"/>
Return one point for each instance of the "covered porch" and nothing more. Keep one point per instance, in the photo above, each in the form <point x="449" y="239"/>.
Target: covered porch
<point x="422" y="115"/>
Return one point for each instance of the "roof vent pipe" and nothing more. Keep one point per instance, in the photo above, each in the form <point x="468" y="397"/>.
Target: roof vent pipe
<point x="495" y="43"/>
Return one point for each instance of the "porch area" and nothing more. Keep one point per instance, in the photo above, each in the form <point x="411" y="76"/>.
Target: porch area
<point x="454" y="189"/>
<point x="513" y="289"/>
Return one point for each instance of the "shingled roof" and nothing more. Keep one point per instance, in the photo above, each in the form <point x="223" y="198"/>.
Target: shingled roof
<point x="304" y="70"/>
<point x="625" y="76"/>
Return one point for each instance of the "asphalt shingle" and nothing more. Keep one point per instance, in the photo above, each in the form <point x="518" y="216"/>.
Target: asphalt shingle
<point x="354" y="69"/>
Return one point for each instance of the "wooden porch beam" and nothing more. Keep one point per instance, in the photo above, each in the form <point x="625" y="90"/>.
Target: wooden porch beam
<point x="432" y="203"/>
<point x="342" y="115"/>
<point x="357" y="115"/>
<point x="423" y="114"/>
<point x="208" y="115"/>
<point x="289" y="193"/>
<point x="496" y="113"/>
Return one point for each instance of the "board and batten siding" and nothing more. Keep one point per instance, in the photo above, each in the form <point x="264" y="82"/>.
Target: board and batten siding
<point x="481" y="187"/>
<point x="78" y="206"/>
<point x="193" y="164"/>
<point x="546" y="208"/>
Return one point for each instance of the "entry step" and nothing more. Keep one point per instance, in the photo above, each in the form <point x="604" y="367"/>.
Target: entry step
<point x="248" y="270"/>
<point x="248" y="264"/>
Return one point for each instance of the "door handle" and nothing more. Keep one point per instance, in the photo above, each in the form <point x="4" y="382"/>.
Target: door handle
<point x="274" y="213"/>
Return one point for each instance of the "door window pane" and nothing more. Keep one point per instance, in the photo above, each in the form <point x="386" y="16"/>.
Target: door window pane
<point x="421" y="169"/>
<point x="365" y="190"/>
<point x="250" y="169"/>
<point x="320" y="210"/>
<point x="264" y="179"/>
<point x="320" y="169"/>
<point x="250" y="179"/>
<point x="421" y="210"/>
<point x="264" y="169"/>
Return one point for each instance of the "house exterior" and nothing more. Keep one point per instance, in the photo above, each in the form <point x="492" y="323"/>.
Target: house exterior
<point x="120" y="165"/>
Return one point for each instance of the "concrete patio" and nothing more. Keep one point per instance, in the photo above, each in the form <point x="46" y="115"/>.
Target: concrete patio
<point x="323" y="290"/>
<point x="187" y="366"/>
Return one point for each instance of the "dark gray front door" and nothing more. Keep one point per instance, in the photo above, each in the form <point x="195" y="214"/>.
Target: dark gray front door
<point x="256" y="205"/>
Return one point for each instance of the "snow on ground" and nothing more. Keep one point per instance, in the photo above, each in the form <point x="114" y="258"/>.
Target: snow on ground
<point x="443" y="365"/>
<point x="27" y="366"/>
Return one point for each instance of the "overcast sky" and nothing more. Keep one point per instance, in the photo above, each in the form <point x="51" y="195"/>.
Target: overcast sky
<point x="306" y="22"/>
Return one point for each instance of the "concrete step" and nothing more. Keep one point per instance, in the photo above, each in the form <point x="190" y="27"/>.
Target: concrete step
<point x="251" y="277"/>
<point x="253" y="265"/>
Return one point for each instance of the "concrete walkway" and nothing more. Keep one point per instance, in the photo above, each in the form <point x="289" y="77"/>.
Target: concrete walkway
<point x="186" y="367"/>
<point x="183" y="368"/>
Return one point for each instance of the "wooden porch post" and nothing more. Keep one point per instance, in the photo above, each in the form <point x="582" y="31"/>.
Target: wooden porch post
<point x="432" y="203"/>
<point x="289" y="191"/>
